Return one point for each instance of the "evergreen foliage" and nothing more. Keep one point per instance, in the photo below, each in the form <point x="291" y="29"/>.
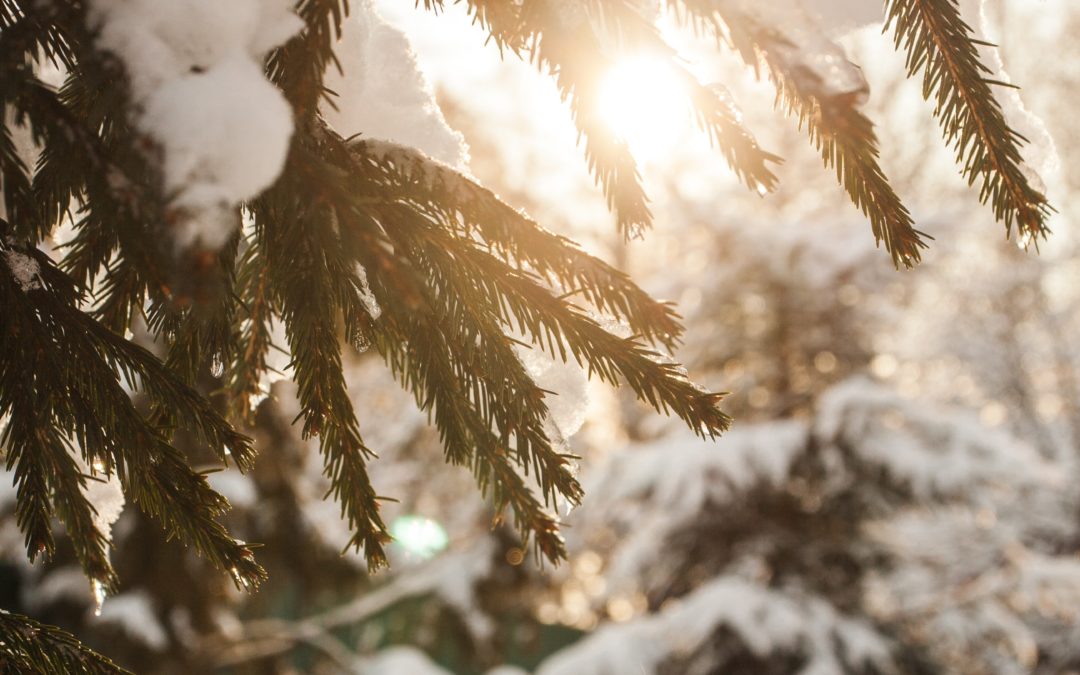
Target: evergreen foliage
<point x="941" y="46"/>
<point x="32" y="647"/>
<point x="371" y="243"/>
<point x="838" y="129"/>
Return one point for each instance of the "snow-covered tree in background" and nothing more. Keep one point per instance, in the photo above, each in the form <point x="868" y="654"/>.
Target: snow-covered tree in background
<point x="195" y="191"/>
<point x="869" y="534"/>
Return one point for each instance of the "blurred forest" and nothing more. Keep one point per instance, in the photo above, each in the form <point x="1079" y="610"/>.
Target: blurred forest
<point x="899" y="494"/>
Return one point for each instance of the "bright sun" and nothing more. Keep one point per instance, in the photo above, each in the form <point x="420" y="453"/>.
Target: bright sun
<point x="643" y="102"/>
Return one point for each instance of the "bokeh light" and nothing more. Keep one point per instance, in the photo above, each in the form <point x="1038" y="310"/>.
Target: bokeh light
<point x="419" y="536"/>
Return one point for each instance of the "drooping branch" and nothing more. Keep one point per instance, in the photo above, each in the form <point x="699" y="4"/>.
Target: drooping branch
<point x="822" y="90"/>
<point x="941" y="46"/>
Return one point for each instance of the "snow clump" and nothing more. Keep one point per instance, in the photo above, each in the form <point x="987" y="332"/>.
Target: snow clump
<point x="197" y="82"/>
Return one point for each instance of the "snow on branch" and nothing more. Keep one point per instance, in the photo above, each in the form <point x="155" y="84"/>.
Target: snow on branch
<point x="942" y="46"/>
<point x="824" y="91"/>
<point x="196" y="76"/>
<point x="766" y="622"/>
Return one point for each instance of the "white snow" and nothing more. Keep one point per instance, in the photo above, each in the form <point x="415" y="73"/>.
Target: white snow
<point x="645" y="494"/>
<point x="843" y="16"/>
<point x="1040" y="154"/>
<point x="66" y="583"/>
<point x="225" y="134"/>
<point x="805" y="47"/>
<point x="104" y="493"/>
<point x="937" y="452"/>
<point x="429" y="173"/>
<point x="383" y="95"/>
<point x="8" y="490"/>
<point x="371" y="304"/>
<point x="972" y="584"/>
<point x="196" y="75"/>
<point x="25" y="269"/>
<point x="569" y="382"/>
<point x="234" y="486"/>
<point x="765" y="620"/>
<point x="969" y="569"/>
<point x="133" y="612"/>
<point x="401" y="660"/>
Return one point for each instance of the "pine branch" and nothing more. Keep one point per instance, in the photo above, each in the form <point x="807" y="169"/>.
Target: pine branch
<point x="27" y="646"/>
<point x="564" y="330"/>
<point x="304" y="267"/>
<point x="941" y="45"/>
<point x="459" y="364"/>
<point x="517" y="299"/>
<point x="491" y="374"/>
<point x="520" y="302"/>
<point x="714" y="111"/>
<point x="14" y="179"/>
<point x="426" y="366"/>
<point x="573" y="41"/>
<point x="244" y="383"/>
<point x="36" y="440"/>
<point x="446" y="195"/>
<point x="297" y="249"/>
<point x="60" y="371"/>
<point x="89" y="152"/>
<point x="29" y="449"/>
<point x="201" y="338"/>
<point x="30" y="30"/>
<point x="343" y="228"/>
<point x="299" y="66"/>
<point x="450" y="283"/>
<point x="563" y="42"/>
<point x="837" y="128"/>
<point x="35" y="107"/>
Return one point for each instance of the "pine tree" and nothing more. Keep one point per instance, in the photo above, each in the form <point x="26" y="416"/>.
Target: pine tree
<point x="371" y="243"/>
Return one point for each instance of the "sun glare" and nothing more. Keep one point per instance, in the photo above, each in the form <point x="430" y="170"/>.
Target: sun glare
<point x="643" y="102"/>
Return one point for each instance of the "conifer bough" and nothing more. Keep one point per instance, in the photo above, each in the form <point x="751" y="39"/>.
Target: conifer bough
<point x="369" y="242"/>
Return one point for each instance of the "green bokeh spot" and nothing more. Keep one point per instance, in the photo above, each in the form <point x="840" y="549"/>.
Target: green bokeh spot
<point x="419" y="536"/>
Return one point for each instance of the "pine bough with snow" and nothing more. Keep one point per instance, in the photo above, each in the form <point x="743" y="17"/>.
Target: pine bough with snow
<point x="203" y="196"/>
